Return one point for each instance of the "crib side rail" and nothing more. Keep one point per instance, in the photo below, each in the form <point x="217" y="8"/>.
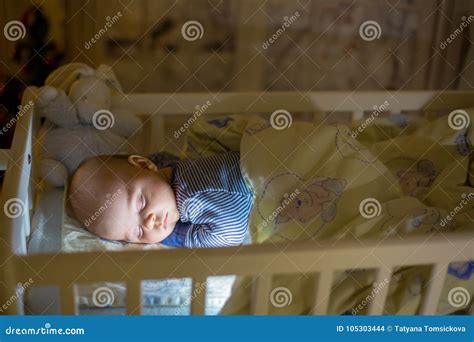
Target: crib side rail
<point x="18" y="192"/>
<point x="20" y="184"/>
<point x="320" y="103"/>
<point x="249" y="260"/>
<point x="327" y="101"/>
<point x="259" y="261"/>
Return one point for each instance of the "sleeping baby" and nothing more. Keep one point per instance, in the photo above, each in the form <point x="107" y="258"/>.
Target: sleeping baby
<point x="202" y="202"/>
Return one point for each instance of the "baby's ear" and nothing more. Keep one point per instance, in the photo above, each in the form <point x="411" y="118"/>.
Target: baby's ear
<point x="142" y="162"/>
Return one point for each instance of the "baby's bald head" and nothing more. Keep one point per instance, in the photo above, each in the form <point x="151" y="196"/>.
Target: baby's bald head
<point x="95" y="182"/>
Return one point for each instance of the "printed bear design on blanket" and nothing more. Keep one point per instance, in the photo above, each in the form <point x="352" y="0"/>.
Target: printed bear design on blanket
<point x="318" y="197"/>
<point x="348" y="147"/>
<point x="311" y="199"/>
<point x="462" y="144"/>
<point x="462" y="270"/>
<point x="420" y="175"/>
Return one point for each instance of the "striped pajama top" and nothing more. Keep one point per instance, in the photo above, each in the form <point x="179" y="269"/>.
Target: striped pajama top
<point x="213" y="201"/>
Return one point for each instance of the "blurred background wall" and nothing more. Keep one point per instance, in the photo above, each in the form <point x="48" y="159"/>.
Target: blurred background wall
<point x="319" y="50"/>
<point x="238" y="45"/>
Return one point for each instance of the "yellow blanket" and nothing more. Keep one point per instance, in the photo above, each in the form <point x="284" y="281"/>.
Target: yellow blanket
<point x="313" y="181"/>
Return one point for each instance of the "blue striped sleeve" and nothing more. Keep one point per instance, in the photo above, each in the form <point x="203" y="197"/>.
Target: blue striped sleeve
<point x="219" y="219"/>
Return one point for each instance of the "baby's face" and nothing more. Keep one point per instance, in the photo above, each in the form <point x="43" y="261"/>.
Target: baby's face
<point x="145" y="210"/>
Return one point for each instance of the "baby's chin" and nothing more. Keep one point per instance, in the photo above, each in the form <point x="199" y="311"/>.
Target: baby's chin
<point x="168" y="231"/>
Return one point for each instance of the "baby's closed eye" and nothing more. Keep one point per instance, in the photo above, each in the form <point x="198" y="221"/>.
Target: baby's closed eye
<point x="138" y="232"/>
<point x="141" y="203"/>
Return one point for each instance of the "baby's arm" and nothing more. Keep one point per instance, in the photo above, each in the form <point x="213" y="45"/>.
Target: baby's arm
<point x="219" y="219"/>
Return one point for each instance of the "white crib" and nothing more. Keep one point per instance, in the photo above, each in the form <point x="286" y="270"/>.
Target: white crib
<point x="260" y="261"/>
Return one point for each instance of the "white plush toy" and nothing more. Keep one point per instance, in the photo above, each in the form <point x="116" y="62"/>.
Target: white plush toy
<point x="81" y="120"/>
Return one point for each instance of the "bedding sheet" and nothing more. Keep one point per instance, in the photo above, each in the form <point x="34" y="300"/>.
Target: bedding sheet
<point x="314" y="181"/>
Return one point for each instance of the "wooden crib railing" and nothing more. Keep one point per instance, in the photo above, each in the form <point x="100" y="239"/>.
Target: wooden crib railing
<point x="259" y="261"/>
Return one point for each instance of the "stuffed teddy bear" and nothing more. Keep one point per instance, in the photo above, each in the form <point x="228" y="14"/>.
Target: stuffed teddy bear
<point x="81" y="120"/>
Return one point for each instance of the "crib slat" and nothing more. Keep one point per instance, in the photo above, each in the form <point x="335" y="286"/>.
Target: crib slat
<point x="157" y="140"/>
<point x="429" y="304"/>
<point x="68" y="303"/>
<point x="260" y="298"/>
<point x="357" y="115"/>
<point x="198" y="296"/>
<point x="5" y="156"/>
<point x="26" y="216"/>
<point x="134" y="296"/>
<point x="380" y="291"/>
<point x="323" y="292"/>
